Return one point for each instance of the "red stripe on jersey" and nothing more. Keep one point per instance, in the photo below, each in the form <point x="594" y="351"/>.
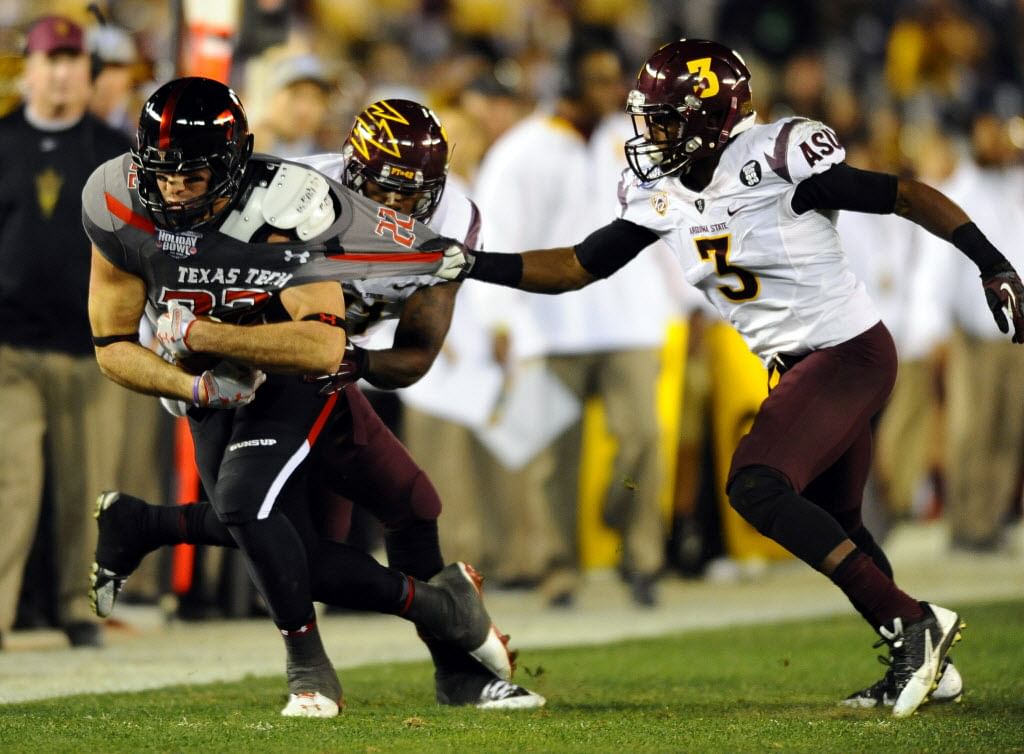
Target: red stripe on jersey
<point x="125" y="214"/>
<point x="369" y="256"/>
<point x="167" y="118"/>
<point x="318" y="425"/>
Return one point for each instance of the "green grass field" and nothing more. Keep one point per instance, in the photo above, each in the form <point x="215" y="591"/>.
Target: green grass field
<point x="756" y="689"/>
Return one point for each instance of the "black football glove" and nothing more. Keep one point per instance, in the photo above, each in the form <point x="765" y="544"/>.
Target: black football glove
<point x="1004" y="294"/>
<point x="353" y="368"/>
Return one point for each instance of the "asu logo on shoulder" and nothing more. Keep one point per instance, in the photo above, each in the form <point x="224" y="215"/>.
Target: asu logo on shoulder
<point x="178" y="245"/>
<point x="659" y="202"/>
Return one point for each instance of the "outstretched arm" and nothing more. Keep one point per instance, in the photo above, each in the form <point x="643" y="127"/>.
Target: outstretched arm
<point x="844" y="187"/>
<point x="555" y="270"/>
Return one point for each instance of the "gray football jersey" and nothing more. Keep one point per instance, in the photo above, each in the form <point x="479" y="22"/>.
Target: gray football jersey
<point x="232" y="277"/>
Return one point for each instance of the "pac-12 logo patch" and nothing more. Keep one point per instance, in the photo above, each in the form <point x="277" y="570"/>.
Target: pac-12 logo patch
<point x="660" y="203"/>
<point x="699" y="204"/>
<point x="750" y="174"/>
<point x="178" y="245"/>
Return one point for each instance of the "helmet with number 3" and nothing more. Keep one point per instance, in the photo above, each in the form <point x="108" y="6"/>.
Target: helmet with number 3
<point x="189" y="125"/>
<point x="398" y="146"/>
<point x="690" y="96"/>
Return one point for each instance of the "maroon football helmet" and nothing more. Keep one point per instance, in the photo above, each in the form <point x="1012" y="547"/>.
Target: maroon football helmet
<point x="400" y="146"/>
<point x="689" y="96"/>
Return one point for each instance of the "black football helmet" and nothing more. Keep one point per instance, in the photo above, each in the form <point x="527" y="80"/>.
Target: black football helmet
<point x="401" y="146"/>
<point x="689" y="97"/>
<point x="189" y="124"/>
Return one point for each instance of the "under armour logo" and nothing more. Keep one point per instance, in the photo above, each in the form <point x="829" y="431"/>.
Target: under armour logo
<point x="300" y="256"/>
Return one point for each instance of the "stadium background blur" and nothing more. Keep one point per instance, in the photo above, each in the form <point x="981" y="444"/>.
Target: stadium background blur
<point x="911" y="86"/>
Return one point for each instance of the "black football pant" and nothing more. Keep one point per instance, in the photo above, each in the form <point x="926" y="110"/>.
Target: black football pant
<point x="355" y="458"/>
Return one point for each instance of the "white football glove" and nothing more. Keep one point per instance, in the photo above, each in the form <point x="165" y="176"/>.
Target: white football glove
<point x="456" y="262"/>
<point x="172" y="329"/>
<point x="227" y="385"/>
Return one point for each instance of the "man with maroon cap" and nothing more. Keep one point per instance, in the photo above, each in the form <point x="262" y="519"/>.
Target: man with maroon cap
<point x="56" y="410"/>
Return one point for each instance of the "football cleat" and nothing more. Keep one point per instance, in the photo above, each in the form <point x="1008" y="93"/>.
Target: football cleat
<point x="951" y="684"/>
<point x="472" y="629"/>
<point x="882" y="693"/>
<point x="310" y="704"/>
<point x="499" y="694"/>
<point x="118" y="548"/>
<point x="484" y="691"/>
<point x="917" y="652"/>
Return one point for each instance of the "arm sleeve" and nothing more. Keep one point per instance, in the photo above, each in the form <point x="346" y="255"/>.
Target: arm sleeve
<point x="845" y="187"/>
<point x="610" y="248"/>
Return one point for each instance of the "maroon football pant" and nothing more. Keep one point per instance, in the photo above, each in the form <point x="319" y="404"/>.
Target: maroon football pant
<point x="814" y="428"/>
<point x="361" y="462"/>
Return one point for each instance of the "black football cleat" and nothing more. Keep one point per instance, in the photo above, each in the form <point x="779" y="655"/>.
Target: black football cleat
<point x="119" y="549"/>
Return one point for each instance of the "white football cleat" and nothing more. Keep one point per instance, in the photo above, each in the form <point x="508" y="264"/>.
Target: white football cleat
<point x="500" y="694"/>
<point x="917" y="652"/>
<point x="951" y="685"/>
<point x="310" y="704"/>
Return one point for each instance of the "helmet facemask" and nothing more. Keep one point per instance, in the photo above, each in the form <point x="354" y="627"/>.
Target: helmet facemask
<point x="226" y="170"/>
<point x="669" y="139"/>
<point x="396" y="179"/>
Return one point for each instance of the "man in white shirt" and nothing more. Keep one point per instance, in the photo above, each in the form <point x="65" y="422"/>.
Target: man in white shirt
<point x="547" y="181"/>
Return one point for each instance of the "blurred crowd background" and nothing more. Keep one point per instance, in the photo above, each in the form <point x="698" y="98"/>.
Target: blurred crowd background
<point x="930" y="88"/>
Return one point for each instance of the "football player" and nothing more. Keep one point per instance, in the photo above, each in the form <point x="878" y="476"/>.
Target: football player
<point x="397" y="153"/>
<point x="748" y="211"/>
<point x="191" y="223"/>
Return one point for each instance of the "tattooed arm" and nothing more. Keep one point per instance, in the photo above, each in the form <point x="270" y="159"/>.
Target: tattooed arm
<point x="425" y="319"/>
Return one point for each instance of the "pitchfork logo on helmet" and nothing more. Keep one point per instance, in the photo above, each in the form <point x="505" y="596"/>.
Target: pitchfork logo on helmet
<point x="401" y="146"/>
<point x="187" y="125"/>
<point x="691" y="96"/>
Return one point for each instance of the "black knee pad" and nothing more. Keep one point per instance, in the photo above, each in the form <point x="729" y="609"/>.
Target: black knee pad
<point x="755" y="492"/>
<point x="768" y="502"/>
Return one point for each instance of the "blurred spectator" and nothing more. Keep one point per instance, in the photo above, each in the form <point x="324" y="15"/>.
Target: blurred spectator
<point x="113" y="85"/>
<point x="891" y="257"/>
<point x="295" y="115"/>
<point x="495" y="106"/>
<point x="59" y="418"/>
<point x="985" y="373"/>
<point x="547" y="182"/>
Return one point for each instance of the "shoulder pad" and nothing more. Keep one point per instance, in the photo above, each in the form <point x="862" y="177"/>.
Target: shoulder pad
<point x="803" y="148"/>
<point x="286" y="196"/>
<point x="300" y="198"/>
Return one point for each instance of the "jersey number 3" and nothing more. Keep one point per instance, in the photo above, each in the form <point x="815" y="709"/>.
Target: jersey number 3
<point x="716" y="249"/>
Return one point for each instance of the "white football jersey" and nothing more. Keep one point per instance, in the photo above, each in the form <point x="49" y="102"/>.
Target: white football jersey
<point x="371" y="302"/>
<point x="781" y="279"/>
